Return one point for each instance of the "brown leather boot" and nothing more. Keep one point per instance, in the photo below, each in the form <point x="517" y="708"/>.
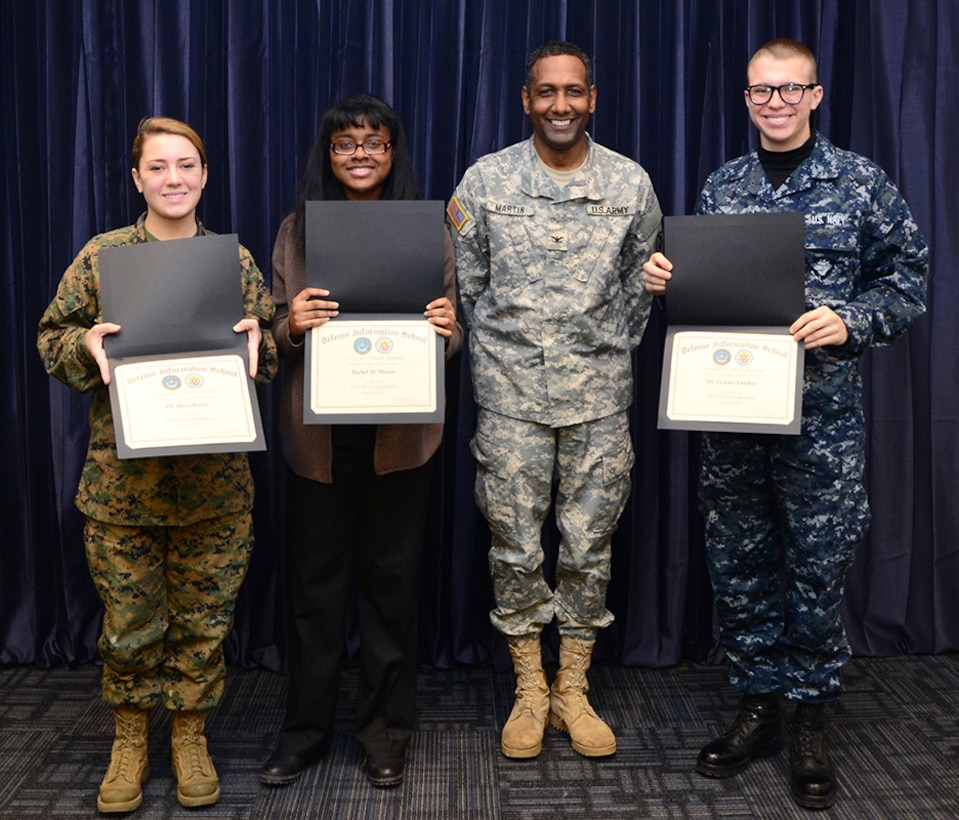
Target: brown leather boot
<point x="122" y="786"/>
<point x="523" y="732"/>
<point x="197" y="783"/>
<point x="569" y="710"/>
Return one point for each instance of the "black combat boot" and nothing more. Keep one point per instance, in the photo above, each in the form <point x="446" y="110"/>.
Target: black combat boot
<point x="756" y="732"/>
<point x="812" y="777"/>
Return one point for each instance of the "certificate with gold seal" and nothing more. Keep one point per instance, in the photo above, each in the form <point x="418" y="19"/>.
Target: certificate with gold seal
<point x="379" y="361"/>
<point x="370" y="369"/>
<point x="730" y="362"/>
<point x="180" y="380"/>
<point x="194" y="403"/>
<point x="732" y="379"/>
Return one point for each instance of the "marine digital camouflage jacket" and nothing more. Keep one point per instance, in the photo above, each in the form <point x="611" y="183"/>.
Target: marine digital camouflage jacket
<point x="169" y="490"/>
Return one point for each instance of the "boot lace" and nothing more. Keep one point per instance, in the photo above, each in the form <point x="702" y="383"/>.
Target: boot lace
<point x="191" y="747"/>
<point x="526" y="672"/>
<point x="753" y="709"/>
<point x="809" y="738"/>
<point x="125" y="762"/>
<point x="528" y="689"/>
<point x="576" y="683"/>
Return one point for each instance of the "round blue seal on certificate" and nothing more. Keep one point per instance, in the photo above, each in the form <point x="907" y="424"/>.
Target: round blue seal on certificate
<point x="362" y="345"/>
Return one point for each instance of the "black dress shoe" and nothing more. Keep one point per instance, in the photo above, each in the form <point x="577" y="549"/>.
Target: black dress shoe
<point x="756" y="732"/>
<point x="384" y="771"/>
<point x="812" y="777"/>
<point x="284" y="768"/>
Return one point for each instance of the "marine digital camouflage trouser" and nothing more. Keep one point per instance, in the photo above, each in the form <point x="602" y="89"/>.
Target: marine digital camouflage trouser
<point x="518" y="463"/>
<point x="169" y="595"/>
<point x="783" y="516"/>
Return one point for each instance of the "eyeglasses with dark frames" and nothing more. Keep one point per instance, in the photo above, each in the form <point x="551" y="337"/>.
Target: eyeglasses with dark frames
<point x="790" y="93"/>
<point x="371" y="146"/>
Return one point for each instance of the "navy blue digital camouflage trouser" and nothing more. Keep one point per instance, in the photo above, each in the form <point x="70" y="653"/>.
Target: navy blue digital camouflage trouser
<point x="783" y="517"/>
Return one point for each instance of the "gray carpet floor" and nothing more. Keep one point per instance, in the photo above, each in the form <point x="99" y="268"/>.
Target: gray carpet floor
<point x="894" y="738"/>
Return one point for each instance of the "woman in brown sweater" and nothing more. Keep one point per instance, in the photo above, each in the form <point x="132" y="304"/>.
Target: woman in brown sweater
<point x="358" y="493"/>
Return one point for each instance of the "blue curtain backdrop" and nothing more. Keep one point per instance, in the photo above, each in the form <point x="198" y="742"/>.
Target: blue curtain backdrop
<point x="254" y="77"/>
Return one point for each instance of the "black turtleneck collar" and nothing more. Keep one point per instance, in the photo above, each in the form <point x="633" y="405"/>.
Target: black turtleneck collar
<point x="778" y="165"/>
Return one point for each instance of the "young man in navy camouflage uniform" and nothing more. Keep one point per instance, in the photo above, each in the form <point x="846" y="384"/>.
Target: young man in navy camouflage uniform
<point x="550" y="236"/>
<point x="795" y="506"/>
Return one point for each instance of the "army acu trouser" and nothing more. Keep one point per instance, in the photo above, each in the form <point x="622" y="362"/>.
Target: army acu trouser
<point x="783" y="516"/>
<point x="169" y="595"/>
<point x="518" y="463"/>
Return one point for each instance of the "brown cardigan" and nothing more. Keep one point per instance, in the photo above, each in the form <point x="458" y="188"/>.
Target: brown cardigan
<point x="308" y="447"/>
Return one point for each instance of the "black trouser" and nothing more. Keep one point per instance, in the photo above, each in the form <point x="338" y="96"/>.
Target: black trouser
<point x="373" y="525"/>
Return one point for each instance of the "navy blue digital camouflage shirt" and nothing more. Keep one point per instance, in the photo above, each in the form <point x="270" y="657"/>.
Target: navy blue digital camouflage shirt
<point x="865" y="256"/>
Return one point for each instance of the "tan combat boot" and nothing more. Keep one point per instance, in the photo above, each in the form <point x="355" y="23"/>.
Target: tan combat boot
<point x="569" y="710"/>
<point x="197" y="783"/>
<point x="122" y="786"/>
<point x="523" y="732"/>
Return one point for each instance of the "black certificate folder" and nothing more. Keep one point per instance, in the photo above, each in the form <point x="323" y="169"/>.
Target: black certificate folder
<point x="175" y="296"/>
<point x="736" y="269"/>
<point x="379" y="361"/>
<point x="730" y="363"/>
<point x="381" y="256"/>
<point x="180" y="379"/>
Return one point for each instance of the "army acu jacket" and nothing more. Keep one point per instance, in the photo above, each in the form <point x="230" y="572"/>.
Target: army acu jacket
<point x="169" y="490"/>
<point x="551" y="282"/>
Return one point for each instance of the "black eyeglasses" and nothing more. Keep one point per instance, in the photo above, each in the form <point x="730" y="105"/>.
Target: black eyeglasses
<point x="370" y="146"/>
<point x="790" y="93"/>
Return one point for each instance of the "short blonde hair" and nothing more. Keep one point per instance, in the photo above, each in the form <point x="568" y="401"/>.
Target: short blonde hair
<point x="151" y="126"/>
<point x="783" y="48"/>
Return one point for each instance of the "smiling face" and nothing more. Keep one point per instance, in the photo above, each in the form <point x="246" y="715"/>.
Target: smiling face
<point x="782" y="126"/>
<point x="171" y="176"/>
<point x="558" y="102"/>
<point x="362" y="175"/>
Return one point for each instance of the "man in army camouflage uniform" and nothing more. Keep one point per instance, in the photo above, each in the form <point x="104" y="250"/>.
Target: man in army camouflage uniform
<point x="796" y="506"/>
<point x="550" y="235"/>
<point x="168" y="539"/>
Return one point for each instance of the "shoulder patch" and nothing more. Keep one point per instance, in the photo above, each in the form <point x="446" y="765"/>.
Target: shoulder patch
<point x="458" y="217"/>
